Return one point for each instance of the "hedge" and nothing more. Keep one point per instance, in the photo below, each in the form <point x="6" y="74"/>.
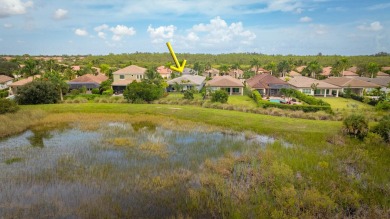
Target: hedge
<point x="306" y="98"/>
<point x="304" y="108"/>
<point x="86" y="96"/>
<point x="3" y="93"/>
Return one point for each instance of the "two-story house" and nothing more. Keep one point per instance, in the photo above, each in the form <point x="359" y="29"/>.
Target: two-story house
<point x="125" y="76"/>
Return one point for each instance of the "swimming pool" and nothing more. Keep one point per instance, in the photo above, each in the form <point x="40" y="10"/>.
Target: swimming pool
<point x="276" y="101"/>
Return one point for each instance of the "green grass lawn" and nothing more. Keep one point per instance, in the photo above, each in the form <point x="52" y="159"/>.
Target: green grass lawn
<point x="344" y="103"/>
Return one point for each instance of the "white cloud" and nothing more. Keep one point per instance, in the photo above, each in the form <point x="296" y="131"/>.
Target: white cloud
<point x="374" y="26"/>
<point x="101" y="28"/>
<point x="8" y="25"/>
<point x="379" y="6"/>
<point x="81" y="32"/>
<point x="161" y="33"/>
<point x="305" y="19"/>
<point x="60" y="14"/>
<point x="121" y="31"/>
<point x="14" y="7"/>
<point x="218" y="32"/>
<point x="102" y="35"/>
<point x="192" y="37"/>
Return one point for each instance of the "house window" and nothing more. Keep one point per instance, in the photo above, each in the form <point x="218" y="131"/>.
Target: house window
<point x="236" y="90"/>
<point x="306" y="91"/>
<point x="121" y="77"/>
<point x="140" y="77"/>
<point x="227" y="89"/>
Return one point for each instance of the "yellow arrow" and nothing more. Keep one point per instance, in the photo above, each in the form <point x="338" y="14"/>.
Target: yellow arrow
<point x="178" y="68"/>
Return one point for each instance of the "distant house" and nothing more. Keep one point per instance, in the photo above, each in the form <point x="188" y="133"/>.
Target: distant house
<point x="352" y="69"/>
<point x="232" y="85"/>
<point x="89" y="81"/>
<point x="349" y="74"/>
<point x="236" y="73"/>
<point x="125" y="76"/>
<point x="306" y="84"/>
<point x="76" y="68"/>
<point x="386" y="68"/>
<point x="211" y="73"/>
<point x="5" y="81"/>
<point x="293" y="74"/>
<point x="189" y="71"/>
<point x="164" y="71"/>
<point x="326" y="71"/>
<point x="17" y="84"/>
<point x="357" y="86"/>
<point x="188" y="82"/>
<point x="267" y="84"/>
<point x="299" y="69"/>
<point x="259" y="70"/>
<point x="383" y="82"/>
<point x="382" y="74"/>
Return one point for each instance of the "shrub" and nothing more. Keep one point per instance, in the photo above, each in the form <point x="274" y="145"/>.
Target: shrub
<point x="383" y="128"/>
<point x="188" y="95"/>
<point x="142" y="91"/>
<point x="355" y="125"/>
<point x="8" y="106"/>
<point x="219" y="96"/>
<point x="303" y="97"/>
<point x="304" y="108"/>
<point x="383" y="105"/>
<point x="108" y="92"/>
<point x="3" y="93"/>
<point x="256" y="96"/>
<point x="38" y="92"/>
<point x="75" y="92"/>
<point x="95" y="91"/>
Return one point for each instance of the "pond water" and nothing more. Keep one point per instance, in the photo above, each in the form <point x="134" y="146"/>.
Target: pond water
<point x="114" y="170"/>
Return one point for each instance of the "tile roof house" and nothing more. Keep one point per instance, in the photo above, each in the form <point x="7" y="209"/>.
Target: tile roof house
<point x="125" y="76"/>
<point x="382" y="74"/>
<point x="300" y="68"/>
<point x="211" y="73"/>
<point x="236" y="73"/>
<point x="164" y="71"/>
<point x="89" y="81"/>
<point x="15" y="85"/>
<point x="349" y="74"/>
<point x="357" y="86"/>
<point x="267" y="84"/>
<point x="188" y="82"/>
<point x="384" y="82"/>
<point x="260" y="70"/>
<point x="352" y="69"/>
<point x="232" y="85"/>
<point x="189" y="71"/>
<point x="305" y="84"/>
<point x="386" y="68"/>
<point x="5" y="81"/>
<point x="293" y="74"/>
<point x="326" y="71"/>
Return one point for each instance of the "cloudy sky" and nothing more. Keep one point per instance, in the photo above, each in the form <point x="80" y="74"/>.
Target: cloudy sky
<point x="300" y="27"/>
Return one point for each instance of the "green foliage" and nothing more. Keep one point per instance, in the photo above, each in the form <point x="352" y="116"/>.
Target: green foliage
<point x="219" y="96"/>
<point x="84" y="96"/>
<point x="4" y="93"/>
<point x="383" y="105"/>
<point x="188" y="95"/>
<point x="108" y="92"/>
<point x="38" y="92"/>
<point x="83" y="89"/>
<point x="105" y="85"/>
<point x="355" y="125"/>
<point x="383" y="128"/>
<point x="8" y="106"/>
<point x="7" y="68"/>
<point x="95" y="91"/>
<point x="256" y="96"/>
<point x="304" y="108"/>
<point x="75" y="92"/>
<point x="143" y="91"/>
<point x="303" y="97"/>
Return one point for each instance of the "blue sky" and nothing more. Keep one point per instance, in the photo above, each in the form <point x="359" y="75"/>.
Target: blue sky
<point x="300" y="27"/>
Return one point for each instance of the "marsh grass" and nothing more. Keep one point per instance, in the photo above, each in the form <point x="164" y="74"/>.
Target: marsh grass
<point x="12" y="123"/>
<point x="13" y="160"/>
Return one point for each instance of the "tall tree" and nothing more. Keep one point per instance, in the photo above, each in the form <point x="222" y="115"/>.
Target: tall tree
<point x="283" y="67"/>
<point x="223" y="69"/>
<point x="372" y="69"/>
<point x="31" y="67"/>
<point x="255" y="63"/>
<point x="314" y="68"/>
<point x="271" y="67"/>
<point x="344" y="63"/>
<point x="57" y="80"/>
<point x="336" y="69"/>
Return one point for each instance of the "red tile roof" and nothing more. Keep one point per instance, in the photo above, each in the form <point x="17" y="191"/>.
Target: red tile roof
<point x="264" y="80"/>
<point x="349" y="73"/>
<point x="90" y="78"/>
<point x="5" y="78"/>
<point x="350" y="82"/>
<point x="24" y="81"/>
<point x="326" y="71"/>
<point x="163" y="70"/>
<point x="224" y="81"/>
<point x="132" y="69"/>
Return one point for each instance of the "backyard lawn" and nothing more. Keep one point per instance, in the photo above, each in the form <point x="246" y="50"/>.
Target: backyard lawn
<point x="343" y="103"/>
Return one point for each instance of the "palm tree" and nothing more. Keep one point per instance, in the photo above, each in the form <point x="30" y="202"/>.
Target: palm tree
<point x="255" y="63"/>
<point x="372" y="69"/>
<point x="314" y="68"/>
<point x="344" y="64"/>
<point x="283" y="67"/>
<point x="30" y="68"/>
<point x="336" y="69"/>
<point x="271" y="67"/>
<point x="223" y="69"/>
<point x="55" y="78"/>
